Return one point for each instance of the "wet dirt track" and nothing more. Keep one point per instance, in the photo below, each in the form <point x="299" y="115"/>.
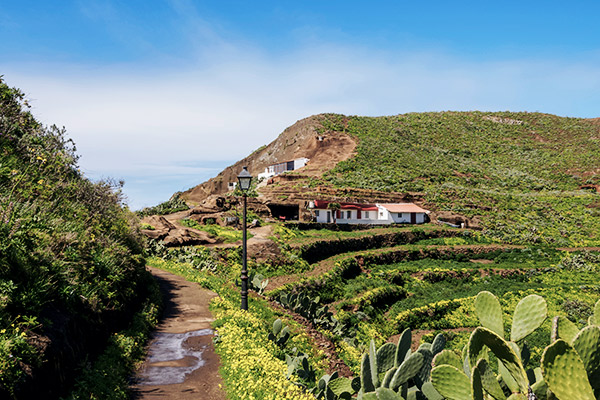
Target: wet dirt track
<point x="181" y="362"/>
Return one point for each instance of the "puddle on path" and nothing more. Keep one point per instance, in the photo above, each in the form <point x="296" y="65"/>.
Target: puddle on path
<point x="172" y="356"/>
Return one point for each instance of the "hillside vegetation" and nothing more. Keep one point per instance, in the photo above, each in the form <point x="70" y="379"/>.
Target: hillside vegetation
<point x="522" y="173"/>
<point x="344" y="299"/>
<point x="71" y="265"/>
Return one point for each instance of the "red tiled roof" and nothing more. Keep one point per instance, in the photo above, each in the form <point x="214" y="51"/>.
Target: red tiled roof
<point x="403" y="208"/>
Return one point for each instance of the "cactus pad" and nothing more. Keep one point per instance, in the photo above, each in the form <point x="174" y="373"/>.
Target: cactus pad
<point x="365" y="374"/>
<point x="277" y="325"/>
<point x="489" y="312"/>
<point x="430" y="392"/>
<point x="563" y="329"/>
<point x="425" y="346"/>
<point x="387" y="379"/>
<point x="451" y="383"/>
<point x="540" y="389"/>
<point x="409" y="368"/>
<point x="484" y="337"/>
<point x="587" y="345"/>
<point x="565" y="373"/>
<point x="341" y="385"/>
<point x="425" y="372"/>
<point x="373" y="363"/>
<point x="488" y="380"/>
<point x="476" y="385"/>
<point x="529" y="315"/>
<point x="447" y="357"/>
<point x="387" y="394"/>
<point x="403" y="347"/>
<point x="438" y="344"/>
<point x="385" y="357"/>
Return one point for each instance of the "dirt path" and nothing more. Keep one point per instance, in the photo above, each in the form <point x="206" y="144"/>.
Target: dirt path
<point x="181" y="362"/>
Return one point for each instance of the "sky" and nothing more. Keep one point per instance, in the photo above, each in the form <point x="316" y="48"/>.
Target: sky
<point x="165" y="94"/>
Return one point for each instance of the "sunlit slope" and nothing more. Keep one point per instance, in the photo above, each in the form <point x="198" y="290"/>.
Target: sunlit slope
<point x="529" y="176"/>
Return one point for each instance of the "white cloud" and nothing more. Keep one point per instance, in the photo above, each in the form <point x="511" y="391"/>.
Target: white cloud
<point x="138" y="121"/>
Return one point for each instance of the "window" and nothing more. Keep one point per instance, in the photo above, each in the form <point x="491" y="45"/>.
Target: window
<point x="316" y="213"/>
<point x="348" y="214"/>
<point x="366" y="215"/>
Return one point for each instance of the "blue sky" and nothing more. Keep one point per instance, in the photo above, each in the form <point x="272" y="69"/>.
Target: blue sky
<point x="165" y="94"/>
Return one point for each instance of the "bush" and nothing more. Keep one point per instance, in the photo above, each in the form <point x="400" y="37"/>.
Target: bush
<point x="71" y="265"/>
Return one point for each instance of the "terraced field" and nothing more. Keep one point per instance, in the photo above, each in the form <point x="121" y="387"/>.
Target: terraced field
<point x="358" y="297"/>
<point x="430" y="285"/>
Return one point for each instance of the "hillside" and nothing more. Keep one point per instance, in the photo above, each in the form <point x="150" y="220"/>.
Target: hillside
<point x="72" y="272"/>
<point x="521" y="177"/>
<point x="305" y="138"/>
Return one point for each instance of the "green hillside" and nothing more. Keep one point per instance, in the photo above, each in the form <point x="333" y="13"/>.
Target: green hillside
<point x="71" y="265"/>
<point x="521" y="172"/>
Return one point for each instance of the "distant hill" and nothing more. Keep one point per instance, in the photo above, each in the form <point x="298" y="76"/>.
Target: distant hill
<point x="520" y="177"/>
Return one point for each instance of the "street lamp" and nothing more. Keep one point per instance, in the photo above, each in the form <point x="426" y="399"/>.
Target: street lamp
<point x="244" y="179"/>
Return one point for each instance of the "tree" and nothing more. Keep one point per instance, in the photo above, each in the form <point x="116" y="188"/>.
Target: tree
<point x="334" y="207"/>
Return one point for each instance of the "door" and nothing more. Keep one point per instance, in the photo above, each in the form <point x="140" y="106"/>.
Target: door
<point x="328" y="216"/>
<point x="413" y="218"/>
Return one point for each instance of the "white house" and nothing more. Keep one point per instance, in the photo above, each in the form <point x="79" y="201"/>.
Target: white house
<point x="359" y="213"/>
<point x="402" y="213"/>
<point x="278" y="168"/>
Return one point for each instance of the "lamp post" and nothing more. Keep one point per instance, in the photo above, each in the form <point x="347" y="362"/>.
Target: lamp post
<point x="244" y="179"/>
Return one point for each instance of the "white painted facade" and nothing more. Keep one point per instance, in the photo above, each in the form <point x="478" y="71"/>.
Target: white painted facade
<point x="346" y="216"/>
<point x="285" y="166"/>
<point x="378" y="214"/>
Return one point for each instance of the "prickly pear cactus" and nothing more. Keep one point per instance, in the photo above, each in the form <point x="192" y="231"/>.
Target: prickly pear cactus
<point x="587" y="345"/>
<point x="489" y="312"/>
<point x="595" y="317"/>
<point x="528" y="316"/>
<point x="489" y="382"/>
<point x="451" y="383"/>
<point x="403" y="347"/>
<point x="476" y="385"/>
<point x="438" y="344"/>
<point x="385" y="357"/>
<point x="564" y="329"/>
<point x="366" y="378"/>
<point x="447" y="357"/>
<point x="424" y="374"/>
<point x="430" y="392"/>
<point x="565" y="373"/>
<point x="341" y="387"/>
<point x="373" y="363"/>
<point x="277" y="325"/>
<point x="481" y="338"/>
<point x="409" y="368"/>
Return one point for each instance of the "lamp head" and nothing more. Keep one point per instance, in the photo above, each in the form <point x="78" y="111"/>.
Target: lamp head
<point x="244" y="179"/>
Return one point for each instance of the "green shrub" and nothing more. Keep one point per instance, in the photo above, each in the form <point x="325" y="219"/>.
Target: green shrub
<point x="69" y="250"/>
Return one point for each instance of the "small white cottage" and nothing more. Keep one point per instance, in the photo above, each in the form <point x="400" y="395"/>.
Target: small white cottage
<point x="359" y="213"/>
<point x="402" y="213"/>
<point x="281" y="167"/>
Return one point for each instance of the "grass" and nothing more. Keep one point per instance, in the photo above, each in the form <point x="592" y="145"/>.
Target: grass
<point x="251" y="365"/>
<point x="523" y="180"/>
<point x="225" y="234"/>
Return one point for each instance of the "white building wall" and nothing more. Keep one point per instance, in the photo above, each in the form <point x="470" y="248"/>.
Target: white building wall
<point x="321" y="216"/>
<point x="300" y="162"/>
<point x="405" y="218"/>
